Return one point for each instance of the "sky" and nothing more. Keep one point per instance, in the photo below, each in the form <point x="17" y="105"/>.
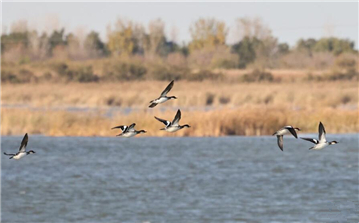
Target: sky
<point x="289" y="21"/>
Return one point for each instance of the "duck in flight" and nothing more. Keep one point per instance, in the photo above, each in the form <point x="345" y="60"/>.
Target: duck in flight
<point x="22" y="150"/>
<point x="173" y="126"/>
<point x="128" y="131"/>
<point x="283" y="131"/>
<point x="322" y="142"/>
<point x="163" y="97"/>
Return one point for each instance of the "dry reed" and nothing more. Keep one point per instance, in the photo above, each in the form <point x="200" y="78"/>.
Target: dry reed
<point x="304" y="95"/>
<point x="226" y="121"/>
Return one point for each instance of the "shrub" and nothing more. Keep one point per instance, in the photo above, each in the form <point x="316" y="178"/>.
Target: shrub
<point x="125" y="71"/>
<point x="204" y="75"/>
<point x="334" y="76"/>
<point x="346" y="61"/>
<point x="60" y="68"/>
<point x="46" y="76"/>
<point x="345" y="99"/>
<point x="24" y="76"/>
<point x="84" y="74"/>
<point x="224" y="100"/>
<point x="160" y="71"/>
<point x="210" y="98"/>
<point x="8" y="77"/>
<point x="80" y="74"/>
<point x="258" y="76"/>
<point x="347" y="75"/>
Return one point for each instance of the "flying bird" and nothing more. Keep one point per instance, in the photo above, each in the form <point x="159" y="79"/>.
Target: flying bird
<point x="163" y="97"/>
<point x="283" y="131"/>
<point x="22" y="150"/>
<point x="128" y="131"/>
<point x="173" y="126"/>
<point x="322" y="142"/>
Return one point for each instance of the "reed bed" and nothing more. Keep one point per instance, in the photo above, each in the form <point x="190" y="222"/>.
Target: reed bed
<point x="220" y="122"/>
<point x="297" y="95"/>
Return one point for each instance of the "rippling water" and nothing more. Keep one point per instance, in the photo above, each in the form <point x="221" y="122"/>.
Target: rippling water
<point x="228" y="179"/>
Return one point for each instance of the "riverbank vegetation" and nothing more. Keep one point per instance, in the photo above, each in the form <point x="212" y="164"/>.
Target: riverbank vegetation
<point x="219" y="122"/>
<point x="211" y="108"/>
<point x="60" y="83"/>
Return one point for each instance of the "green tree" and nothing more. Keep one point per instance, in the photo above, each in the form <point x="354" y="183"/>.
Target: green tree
<point x="93" y="45"/>
<point x="306" y="45"/>
<point x="246" y="50"/>
<point x="283" y="48"/>
<point x="12" y="40"/>
<point x="334" y="45"/>
<point x="256" y="44"/>
<point x="57" y="38"/>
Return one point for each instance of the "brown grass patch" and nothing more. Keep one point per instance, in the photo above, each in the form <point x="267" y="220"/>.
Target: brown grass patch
<point x="250" y="121"/>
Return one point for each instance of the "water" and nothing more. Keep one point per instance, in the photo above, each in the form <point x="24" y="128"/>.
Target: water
<point x="228" y="179"/>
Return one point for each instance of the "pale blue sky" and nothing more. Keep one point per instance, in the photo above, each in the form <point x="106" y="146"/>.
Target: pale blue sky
<point x="289" y="21"/>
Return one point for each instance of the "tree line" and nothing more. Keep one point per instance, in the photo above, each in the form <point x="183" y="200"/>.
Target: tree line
<point x="256" y="45"/>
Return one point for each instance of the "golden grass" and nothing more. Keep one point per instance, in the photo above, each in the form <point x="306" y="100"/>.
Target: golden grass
<point x="226" y="121"/>
<point x="303" y="95"/>
<point x="236" y="108"/>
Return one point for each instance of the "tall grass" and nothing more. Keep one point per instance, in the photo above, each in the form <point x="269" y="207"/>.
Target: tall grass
<point x="251" y="121"/>
<point x="301" y="95"/>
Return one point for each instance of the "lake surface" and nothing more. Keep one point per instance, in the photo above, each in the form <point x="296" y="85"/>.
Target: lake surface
<point x="227" y="179"/>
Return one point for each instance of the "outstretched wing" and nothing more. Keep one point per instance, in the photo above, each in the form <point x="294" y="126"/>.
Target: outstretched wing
<point x="9" y="154"/>
<point x="24" y="143"/>
<point x="131" y="128"/>
<point x="292" y="131"/>
<point x="152" y="105"/>
<point x="322" y="133"/>
<point x="168" y="88"/>
<point x="122" y="127"/>
<point x="280" y="142"/>
<point x="311" y="140"/>
<point x="177" y="118"/>
<point x="167" y="123"/>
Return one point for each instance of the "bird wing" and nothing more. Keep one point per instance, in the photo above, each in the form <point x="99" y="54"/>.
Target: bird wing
<point x="9" y="154"/>
<point x="177" y="118"/>
<point x="152" y="105"/>
<point x="292" y="131"/>
<point x="322" y="133"/>
<point x="311" y="140"/>
<point x="122" y="127"/>
<point x="168" y="88"/>
<point x="131" y="128"/>
<point x="167" y="123"/>
<point x="24" y="143"/>
<point x="280" y="142"/>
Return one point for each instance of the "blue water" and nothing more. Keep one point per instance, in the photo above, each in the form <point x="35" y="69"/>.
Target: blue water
<point x="227" y="179"/>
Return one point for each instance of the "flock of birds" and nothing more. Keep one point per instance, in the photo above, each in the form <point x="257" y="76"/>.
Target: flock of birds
<point x="130" y="131"/>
